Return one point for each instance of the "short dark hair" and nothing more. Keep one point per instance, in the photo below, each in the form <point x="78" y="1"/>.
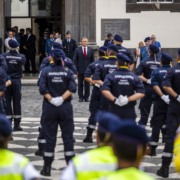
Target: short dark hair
<point x="29" y="29"/>
<point x="22" y="30"/>
<point x="122" y="63"/>
<point x="165" y="62"/>
<point x="109" y="35"/>
<point x="102" y="136"/>
<point x="101" y="53"/>
<point x="113" y="53"/>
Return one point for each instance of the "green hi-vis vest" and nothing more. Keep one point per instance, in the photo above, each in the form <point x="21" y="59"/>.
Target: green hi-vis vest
<point x="11" y="165"/>
<point x="127" y="174"/>
<point x="95" y="163"/>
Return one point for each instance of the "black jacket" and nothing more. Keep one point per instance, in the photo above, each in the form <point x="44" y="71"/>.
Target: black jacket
<point x="30" y="43"/>
<point x="69" y="48"/>
<point x="80" y="61"/>
<point x="42" y="45"/>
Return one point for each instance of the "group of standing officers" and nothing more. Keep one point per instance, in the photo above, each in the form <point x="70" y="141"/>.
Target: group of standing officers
<point x="115" y="90"/>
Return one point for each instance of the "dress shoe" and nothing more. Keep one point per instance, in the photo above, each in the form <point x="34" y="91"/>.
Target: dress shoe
<point x="39" y="152"/>
<point x="80" y="100"/>
<point x="153" y="152"/>
<point x="46" y="171"/>
<point x="163" y="138"/>
<point x="87" y="100"/>
<point x="163" y="172"/>
<point x="88" y="140"/>
<point x="17" y="128"/>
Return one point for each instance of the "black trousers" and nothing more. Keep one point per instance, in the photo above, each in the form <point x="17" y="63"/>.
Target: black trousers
<point x="80" y="87"/>
<point x="30" y="57"/>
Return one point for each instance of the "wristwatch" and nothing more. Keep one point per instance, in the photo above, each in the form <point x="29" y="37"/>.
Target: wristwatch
<point x="114" y="100"/>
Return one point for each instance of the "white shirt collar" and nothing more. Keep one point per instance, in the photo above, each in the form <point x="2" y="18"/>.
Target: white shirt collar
<point x="83" y="49"/>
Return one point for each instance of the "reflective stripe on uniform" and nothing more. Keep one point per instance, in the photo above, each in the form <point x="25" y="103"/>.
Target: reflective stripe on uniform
<point x="91" y="127"/>
<point x="9" y="116"/>
<point x="42" y="141"/>
<point x="165" y="154"/>
<point x="17" y="116"/>
<point x="69" y="153"/>
<point x="86" y="166"/>
<point x="153" y="143"/>
<point x="48" y="154"/>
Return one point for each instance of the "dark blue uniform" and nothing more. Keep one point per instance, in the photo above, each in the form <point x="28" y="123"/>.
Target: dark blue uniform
<point x="67" y="62"/>
<point x="158" y="120"/>
<point x="69" y="48"/>
<point x="3" y="63"/>
<point x="127" y="52"/>
<point x="107" y="42"/>
<point x="56" y="80"/>
<point x="2" y="88"/>
<point x="173" y="115"/>
<point x="14" y="62"/>
<point x="48" y="48"/>
<point x="146" y="67"/>
<point x="96" y="94"/>
<point x="107" y="67"/>
<point x="123" y="82"/>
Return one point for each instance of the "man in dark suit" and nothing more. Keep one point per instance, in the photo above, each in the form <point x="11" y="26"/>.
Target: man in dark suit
<point x="42" y="46"/>
<point x="109" y="40"/>
<point x="69" y="46"/>
<point x="83" y="56"/>
<point x="30" y="50"/>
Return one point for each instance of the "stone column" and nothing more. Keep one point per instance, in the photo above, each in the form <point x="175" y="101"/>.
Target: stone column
<point x="2" y="25"/>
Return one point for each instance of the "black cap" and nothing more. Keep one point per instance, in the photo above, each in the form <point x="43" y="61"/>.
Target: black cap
<point x="68" y="32"/>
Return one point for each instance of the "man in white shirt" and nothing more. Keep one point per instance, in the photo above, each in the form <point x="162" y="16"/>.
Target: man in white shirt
<point x="57" y="38"/>
<point x="10" y="36"/>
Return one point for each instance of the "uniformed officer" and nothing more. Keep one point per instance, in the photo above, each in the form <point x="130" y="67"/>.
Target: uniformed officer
<point x="96" y="93"/>
<point x="144" y="71"/>
<point x="172" y="86"/>
<point x="161" y="101"/>
<point x="144" y="50"/>
<point x="42" y="46"/>
<point x="49" y="43"/>
<point x="119" y="88"/>
<point x="118" y="40"/>
<point x="68" y="62"/>
<point x="56" y="85"/>
<point x="15" y="61"/>
<point x="69" y="46"/>
<point x="109" y="40"/>
<point x="107" y="67"/>
<point x="3" y="63"/>
<point x="129" y="145"/>
<point x="13" y="166"/>
<point x="2" y="89"/>
<point x="99" y="161"/>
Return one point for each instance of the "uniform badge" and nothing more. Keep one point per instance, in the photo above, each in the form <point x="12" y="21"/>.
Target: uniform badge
<point x="64" y="46"/>
<point x="142" y="55"/>
<point x="48" y="44"/>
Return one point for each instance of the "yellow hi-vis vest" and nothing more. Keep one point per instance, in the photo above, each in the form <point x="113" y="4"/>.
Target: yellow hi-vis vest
<point x="127" y="174"/>
<point x="177" y="151"/>
<point x="11" y="165"/>
<point x="95" y="163"/>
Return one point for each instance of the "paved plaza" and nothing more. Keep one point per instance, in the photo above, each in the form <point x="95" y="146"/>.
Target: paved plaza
<point x="26" y="142"/>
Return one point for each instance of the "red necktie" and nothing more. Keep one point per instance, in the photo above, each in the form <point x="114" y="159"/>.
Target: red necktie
<point x="85" y="52"/>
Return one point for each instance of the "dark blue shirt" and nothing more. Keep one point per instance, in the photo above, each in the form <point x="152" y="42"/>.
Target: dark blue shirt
<point x="107" y="67"/>
<point x="3" y="63"/>
<point x="157" y="78"/>
<point x="2" y="80"/>
<point x="56" y="80"/>
<point x="127" y="52"/>
<point x="14" y="62"/>
<point x="68" y="63"/>
<point x="147" y="66"/>
<point x="123" y="82"/>
<point x="172" y="79"/>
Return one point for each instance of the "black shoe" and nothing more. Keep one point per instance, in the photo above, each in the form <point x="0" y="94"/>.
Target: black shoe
<point x="74" y="140"/>
<point x="88" y="140"/>
<point x="46" y="171"/>
<point x="153" y="152"/>
<point x="163" y="172"/>
<point x="163" y="138"/>
<point x="87" y="100"/>
<point x="80" y="100"/>
<point x="17" y="128"/>
<point x="39" y="152"/>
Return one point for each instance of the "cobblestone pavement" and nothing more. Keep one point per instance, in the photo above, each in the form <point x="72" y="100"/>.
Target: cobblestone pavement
<point x="25" y="142"/>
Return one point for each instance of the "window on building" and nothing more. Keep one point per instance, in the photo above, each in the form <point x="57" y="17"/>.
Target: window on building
<point x="154" y="1"/>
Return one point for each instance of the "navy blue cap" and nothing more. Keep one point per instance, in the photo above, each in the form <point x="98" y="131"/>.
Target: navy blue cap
<point x="51" y="33"/>
<point x="179" y="51"/>
<point x="13" y="44"/>
<point x="154" y="48"/>
<point x="113" y="48"/>
<point x="58" y="53"/>
<point x="107" y="122"/>
<point x="5" y="126"/>
<point x="122" y="57"/>
<point x="118" y="38"/>
<point x="147" y="39"/>
<point x="103" y="48"/>
<point x="9" y="29"/>
<point x="68" y="32"/>
<point x="166" y="57"/>
<point x="131" y="132"/>
<point x="57" y="45"/>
